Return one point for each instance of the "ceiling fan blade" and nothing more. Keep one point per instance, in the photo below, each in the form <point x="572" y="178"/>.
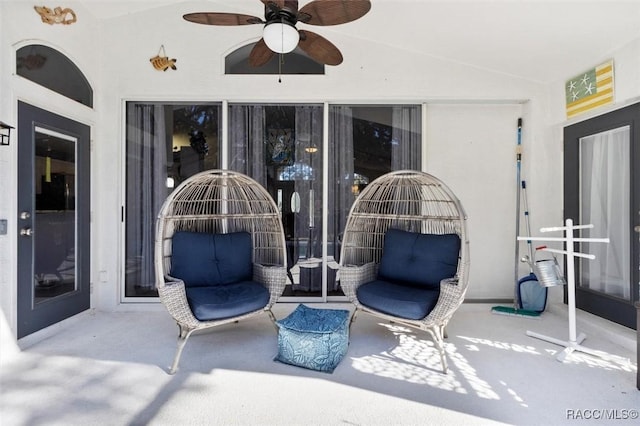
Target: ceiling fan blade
<point x="333" y="12"/>
<point x="216" y="18"/>
<point x="260" y="54"/>
<point x="319" y="48"/>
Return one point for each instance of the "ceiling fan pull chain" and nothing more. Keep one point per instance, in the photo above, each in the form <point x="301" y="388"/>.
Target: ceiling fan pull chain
<point x="280" y="55"/>
<point x="282" y="31"/>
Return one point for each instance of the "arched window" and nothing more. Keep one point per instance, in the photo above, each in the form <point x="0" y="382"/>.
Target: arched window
<point x="296" y="62"/>
<point x="53" y="70"/>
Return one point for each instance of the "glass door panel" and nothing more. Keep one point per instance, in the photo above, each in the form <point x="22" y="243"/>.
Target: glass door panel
<point x="605" y="203"/>
<point x="165" y="144"/>
<point x="55" y="216"/>
<point x="281" y="147"/>
<point x="365" y="142"/>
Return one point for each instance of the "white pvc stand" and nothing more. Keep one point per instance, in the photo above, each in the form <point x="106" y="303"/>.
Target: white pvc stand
<point x="574" y="342"/>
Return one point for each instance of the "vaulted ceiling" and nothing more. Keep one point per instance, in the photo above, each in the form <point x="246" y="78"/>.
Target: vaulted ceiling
<point x="537" y="40"/>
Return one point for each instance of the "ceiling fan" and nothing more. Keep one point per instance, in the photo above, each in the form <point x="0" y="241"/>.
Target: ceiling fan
<point x="280" y="34"/>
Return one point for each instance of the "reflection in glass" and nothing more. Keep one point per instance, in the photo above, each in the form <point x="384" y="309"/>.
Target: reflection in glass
<point x="280" y="147"/>
<point x="604" y="202"/>
<point x="365" y="142"/>
<point x="55" y="217"/>
<point x="166" y="144"/>
<point x="44" y="66"/>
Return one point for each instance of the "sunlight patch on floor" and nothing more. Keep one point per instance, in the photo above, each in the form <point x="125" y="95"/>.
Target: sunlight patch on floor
<point x="514" y="395"/>
<point x="603" y="360"/>
<point x="417" y="361"/>
<point x="475" y="341"/>
<point x="481" y="387"/>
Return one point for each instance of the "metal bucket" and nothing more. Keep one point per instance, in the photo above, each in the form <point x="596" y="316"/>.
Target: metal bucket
<point x="548" y="272"/>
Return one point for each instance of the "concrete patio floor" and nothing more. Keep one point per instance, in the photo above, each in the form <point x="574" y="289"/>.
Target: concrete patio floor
<point x="111" y="369"/>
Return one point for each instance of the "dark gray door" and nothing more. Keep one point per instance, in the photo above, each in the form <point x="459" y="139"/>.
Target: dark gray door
<point x="53" y="218"/>
<point x="602" y="187"/>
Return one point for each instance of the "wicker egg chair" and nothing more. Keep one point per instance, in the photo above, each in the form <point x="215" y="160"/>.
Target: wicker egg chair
<point x="401" y="224"/>
<point x="219" y="244"/>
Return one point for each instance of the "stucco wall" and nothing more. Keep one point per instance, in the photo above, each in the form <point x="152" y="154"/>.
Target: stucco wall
<point x="20" y="25"/>
<point x="114" y="55"/>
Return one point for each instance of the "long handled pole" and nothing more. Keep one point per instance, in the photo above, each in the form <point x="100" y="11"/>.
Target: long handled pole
<point x="517" y="250"/>
<point x="516" y="271"/>
<point x="527" y="223"/>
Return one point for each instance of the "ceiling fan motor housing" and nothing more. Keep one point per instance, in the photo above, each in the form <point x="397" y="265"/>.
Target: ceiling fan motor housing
<point x="273" y="13"/>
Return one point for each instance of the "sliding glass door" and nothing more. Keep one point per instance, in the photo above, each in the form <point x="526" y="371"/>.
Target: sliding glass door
<point x="284" y="147"/>
<point x="314" y="159"/>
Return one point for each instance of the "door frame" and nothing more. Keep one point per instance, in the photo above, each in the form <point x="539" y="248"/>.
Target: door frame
<point x="609" y="307"/>
<point x="31" y="317"/>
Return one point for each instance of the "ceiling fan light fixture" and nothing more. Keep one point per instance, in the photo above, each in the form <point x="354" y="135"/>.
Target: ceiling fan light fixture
<point x="280" y="37"/>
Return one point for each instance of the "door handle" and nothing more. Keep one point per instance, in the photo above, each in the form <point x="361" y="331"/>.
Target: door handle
<point x="25" y="215"/>
<point x="27" y="232"/>
<point x="637" y="228"/>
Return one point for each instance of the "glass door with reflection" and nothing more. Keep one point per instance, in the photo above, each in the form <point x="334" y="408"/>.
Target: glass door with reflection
<point x="53" y="221"/>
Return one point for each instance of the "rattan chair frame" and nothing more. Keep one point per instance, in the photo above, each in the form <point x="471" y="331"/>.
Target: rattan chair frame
<point x="412" y="201"/>
<point x="219" y="201"/>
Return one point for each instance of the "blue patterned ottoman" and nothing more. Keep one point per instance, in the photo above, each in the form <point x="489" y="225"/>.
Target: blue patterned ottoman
<point x="313" y="338"/>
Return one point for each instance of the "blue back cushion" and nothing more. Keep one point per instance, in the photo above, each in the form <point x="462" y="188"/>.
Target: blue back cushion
<point x="419" y="259"/>
<point x="202" y="259"/>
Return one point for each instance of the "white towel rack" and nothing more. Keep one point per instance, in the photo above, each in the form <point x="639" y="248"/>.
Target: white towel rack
<point x="574" y="342"/>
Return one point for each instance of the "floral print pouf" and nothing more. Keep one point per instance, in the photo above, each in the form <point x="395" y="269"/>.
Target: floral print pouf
<point x="313" y="338"/>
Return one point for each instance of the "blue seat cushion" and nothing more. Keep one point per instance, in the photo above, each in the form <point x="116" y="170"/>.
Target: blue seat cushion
<point x="418" y="259"/>
<point x="204" y="259"/>
<point x="226" y="301"/>
<point x="398" y="300"/>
